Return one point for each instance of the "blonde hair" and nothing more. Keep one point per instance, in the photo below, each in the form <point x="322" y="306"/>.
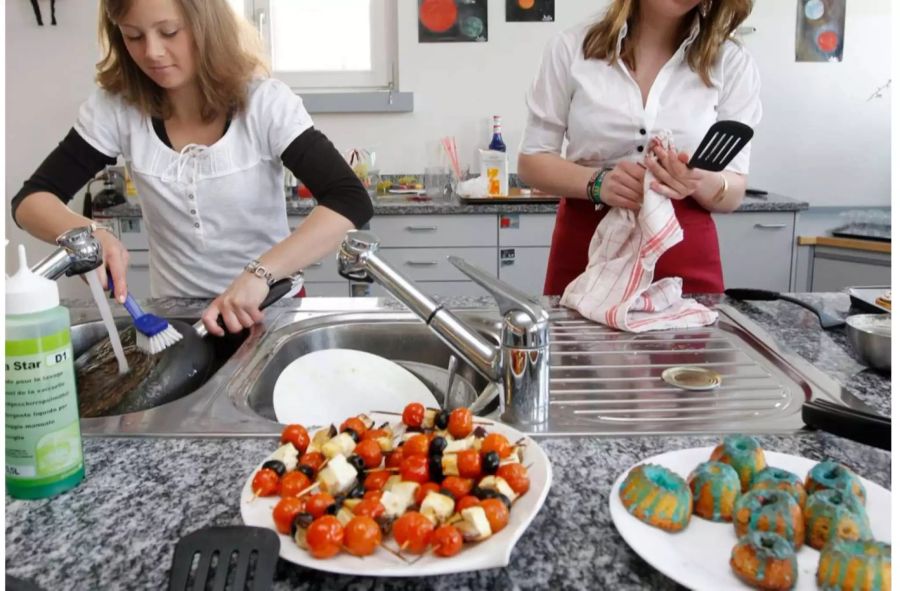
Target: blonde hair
<point x="722" y="19"/>
<point x="224" y="68"/>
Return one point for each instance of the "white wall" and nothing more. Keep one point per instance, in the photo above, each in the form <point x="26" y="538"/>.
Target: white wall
<point x="819" y="140"/>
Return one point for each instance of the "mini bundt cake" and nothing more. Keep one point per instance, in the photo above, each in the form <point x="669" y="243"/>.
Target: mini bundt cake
<point x="765" y="561"/>
<point x="778" y="479"/>
<point x="772" y="511"/>
<point x="715" y="487"/>
<point x="657" y="496"/>
<point x="831" y="475"/>
<point x="846" y="565"/>
<point x="831" y="514"/>
<point x="744" y="454"/>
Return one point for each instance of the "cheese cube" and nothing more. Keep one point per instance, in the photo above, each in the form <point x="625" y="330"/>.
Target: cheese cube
<point x="342" y="444"/>
<point x="437" y="507"/>
<point x="498" y="484"/>
<point x="338" y="476"/>
<point x="475" y="526"/>
<point x="287" y="454"/>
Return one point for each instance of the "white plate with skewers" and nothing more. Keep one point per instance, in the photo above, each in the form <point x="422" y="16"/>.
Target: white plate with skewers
<point x="494" y="552"/>
<point x="698" y="556"/>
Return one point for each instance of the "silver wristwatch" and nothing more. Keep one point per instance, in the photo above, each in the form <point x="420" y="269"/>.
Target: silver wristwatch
<point x="256" y="268"/>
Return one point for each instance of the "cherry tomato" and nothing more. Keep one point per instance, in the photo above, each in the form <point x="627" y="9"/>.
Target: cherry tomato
<point x="466" y="502"/>
<point x="294" y="483"/>
<point x="516" y="476"/>
<point x="393" y="459"/>
<point x="498" y="443"/>
<point x="414" y="469"/>
<point x="375" y="495"/>
<point x="317" y="504"/>
<point x="370" y="452"/>
<point x="297" y="436"/>
<point x="417" y="445"/>
<point x="362" y="535"/>
<point x="370" y="507"/>
<point x="468" y="462"/>
<point x="413" y="415"/>
<point x="497" y="513"/>
<point x="413" y="532"/>
<point x="423" y="491"/>
<point x="356" y="424"/>
<point x="446" y="541"/>
<point x="312" y="459"/>
<point x="461" y="424"/>
<point x="376" y="434"/>
<point x="376" y="480"/>
<point x="284" y="513"/>
<point x="265" y="483"/>
<point x="458" y="487"/>
<point x="325" y="536"/>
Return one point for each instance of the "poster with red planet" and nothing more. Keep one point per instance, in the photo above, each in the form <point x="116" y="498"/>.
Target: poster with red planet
<point x="820" y="30"/>
<point x="442" y="21"/>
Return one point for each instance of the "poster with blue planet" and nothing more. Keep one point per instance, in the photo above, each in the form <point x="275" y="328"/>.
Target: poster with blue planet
<point x="442" y="21"/>
<point x="820" y="30"/>
<point x="518" y="11"/>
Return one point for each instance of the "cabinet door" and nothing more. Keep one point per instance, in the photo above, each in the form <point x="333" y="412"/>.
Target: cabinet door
<point x="430" y="288"/>
<point x="837" y="268"/>
<point x="525" y="229"/>
<point x="139" y="273"/>
<point x="331" y="289"/>
<point x="431" y="264"/>
<point x="435" y="230"/>
<point x="756" y="249"/>
<point x="524" y="267"/>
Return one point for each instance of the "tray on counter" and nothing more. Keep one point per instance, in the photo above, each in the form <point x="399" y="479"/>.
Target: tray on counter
<point x="515" y="196"/>
<point x="864" y="298"/>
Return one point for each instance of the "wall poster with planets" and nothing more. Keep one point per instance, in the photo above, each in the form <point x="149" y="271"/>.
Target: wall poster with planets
<point x="530" y="11"/>
<point x="442" y="21"/>
<point x="820" y="30"/>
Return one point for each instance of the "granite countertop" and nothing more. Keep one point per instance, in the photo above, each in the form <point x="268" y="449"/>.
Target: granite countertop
<point x="403" y="206"/>
<point x="119" y="527"/>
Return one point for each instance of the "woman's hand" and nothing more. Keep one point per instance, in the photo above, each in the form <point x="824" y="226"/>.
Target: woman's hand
<point x="623" y="186"/>
<point x="673" y="177"/>
<point x="238" y="305"/>
<point x="115" y="260"/>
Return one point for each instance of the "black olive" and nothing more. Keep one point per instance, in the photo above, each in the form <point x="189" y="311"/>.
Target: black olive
<point x="300" y="521"/>
<point x="484" y="493"/>
<point x="490" y="462"/>
<point x="480" y="432"/>
<point x="442" y="419"/>
<point x="480" y="493"/>
<point x="435" y="469"/>
<point x="308" y="471"/>
<point x="437" y="446"/>
<point x="385" y="523"/>
<point x="446" y="493"/>
<point x="352" y="433"/>
<point x="357" y="462"/>
<point x="414" y="429"/>
<point x="332" y="509"/>
<point x="357" y="492"/>
<point x="276" y="466"/>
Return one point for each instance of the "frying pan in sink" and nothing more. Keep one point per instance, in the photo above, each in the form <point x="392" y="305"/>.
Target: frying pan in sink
<point x="152" y="380"/>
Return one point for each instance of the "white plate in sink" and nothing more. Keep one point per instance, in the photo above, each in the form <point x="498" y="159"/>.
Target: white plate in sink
<point x="698" y="556"/>
<point x="494" y="552"/>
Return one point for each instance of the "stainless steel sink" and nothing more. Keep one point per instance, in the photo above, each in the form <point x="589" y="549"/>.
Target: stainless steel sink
<point x="602" y="382"/>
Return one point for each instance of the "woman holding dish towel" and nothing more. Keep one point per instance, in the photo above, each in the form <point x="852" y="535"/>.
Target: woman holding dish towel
<point x="184" y="98"/>
<point x="607" y="87"/>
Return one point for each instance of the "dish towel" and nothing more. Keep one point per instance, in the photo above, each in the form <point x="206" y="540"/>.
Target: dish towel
<point x="617" y="288"/>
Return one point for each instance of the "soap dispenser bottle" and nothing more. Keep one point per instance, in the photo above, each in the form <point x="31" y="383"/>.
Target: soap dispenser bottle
<point x="43" y="435"/>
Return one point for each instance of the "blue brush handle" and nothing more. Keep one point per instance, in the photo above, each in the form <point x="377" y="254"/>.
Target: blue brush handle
<point x="130" y="303"/>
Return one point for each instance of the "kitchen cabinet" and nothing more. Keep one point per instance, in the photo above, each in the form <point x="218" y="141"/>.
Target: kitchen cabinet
<point x="756" y="248"/>
<point x="825" y="263"/>
<point x="524" y="248"/>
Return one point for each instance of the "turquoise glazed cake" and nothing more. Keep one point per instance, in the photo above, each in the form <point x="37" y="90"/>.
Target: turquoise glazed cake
<point x="831" y="514"/>
<point x="778" y="479"/>
<point x="846" y="565"/>
<point x="715" y="487"/>
<point x="773" y="511"/>
<point x="765" y="561"/>
<point x="744" y="454"/>
<point x="831" y="475"/>
<point x="657" y="496"/>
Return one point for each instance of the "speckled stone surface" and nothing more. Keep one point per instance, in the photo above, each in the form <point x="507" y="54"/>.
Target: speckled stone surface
<point x="401" y="206"/>
<point x="118" y="529"/>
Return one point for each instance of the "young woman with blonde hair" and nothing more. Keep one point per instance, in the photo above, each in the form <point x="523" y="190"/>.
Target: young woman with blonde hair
<point x="608" y="87"/>
<point x="184" y="98"/>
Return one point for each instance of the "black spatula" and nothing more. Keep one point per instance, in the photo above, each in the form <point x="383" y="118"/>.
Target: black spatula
<point x="241" y="557"/>
<point x="720" y="145"/>
<point x="826" y="320"/>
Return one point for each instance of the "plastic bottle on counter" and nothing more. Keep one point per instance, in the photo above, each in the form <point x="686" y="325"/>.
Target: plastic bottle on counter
<point x="497" y="144"/>
<point x="43" y="434"/>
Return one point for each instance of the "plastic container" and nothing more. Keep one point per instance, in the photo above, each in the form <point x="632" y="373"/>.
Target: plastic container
<point x="43" y="435"/>
<point x="494" y="167"/>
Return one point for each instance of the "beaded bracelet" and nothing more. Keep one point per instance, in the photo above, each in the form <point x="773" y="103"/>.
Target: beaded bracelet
<point x="594" y="185"/>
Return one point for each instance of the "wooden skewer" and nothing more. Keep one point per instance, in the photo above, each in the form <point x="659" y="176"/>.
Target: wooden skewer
<point x="417" y="558"/>
<point x="394" y="552"/>
<point x="307" y="489"/>
<point x="347" y="550"/>
<point x="394" y="469"/>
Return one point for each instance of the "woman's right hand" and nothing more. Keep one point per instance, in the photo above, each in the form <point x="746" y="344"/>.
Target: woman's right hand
<point x="623" y="186"/>
<point x="115" y="260"/>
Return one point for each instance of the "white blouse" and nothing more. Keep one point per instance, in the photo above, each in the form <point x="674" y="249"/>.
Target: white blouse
<point x="208" y="210"/>
<point x="598" y="107"/>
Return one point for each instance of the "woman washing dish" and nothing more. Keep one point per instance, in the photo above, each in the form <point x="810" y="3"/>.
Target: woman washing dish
<point x="608" y="87"/>
<point x="205" y="135"/>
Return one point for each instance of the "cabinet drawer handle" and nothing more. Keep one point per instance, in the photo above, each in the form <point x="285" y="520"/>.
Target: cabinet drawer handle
<point x="770" y="226"/>
<point x="421" y="228"/>
<point x="421" y="263"/>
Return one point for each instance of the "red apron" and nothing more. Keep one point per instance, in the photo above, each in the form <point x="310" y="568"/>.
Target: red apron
<point x="695" y="259"/>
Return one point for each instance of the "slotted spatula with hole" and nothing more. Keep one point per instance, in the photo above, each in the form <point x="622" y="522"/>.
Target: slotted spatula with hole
<point x="217" y="558"/>
<point x="720" y="145"/>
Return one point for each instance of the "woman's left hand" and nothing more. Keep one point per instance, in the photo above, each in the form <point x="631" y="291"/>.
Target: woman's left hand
<point x="673" y="177"/>
<point x="238" y="305"/>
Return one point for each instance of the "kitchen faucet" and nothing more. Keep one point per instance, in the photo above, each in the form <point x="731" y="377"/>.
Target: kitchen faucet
<point x="520" y="364"/>
<point x="78" y="253"/>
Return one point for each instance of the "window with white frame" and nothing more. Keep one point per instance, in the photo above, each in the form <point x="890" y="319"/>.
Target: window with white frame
<point x="327" y="45"/>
